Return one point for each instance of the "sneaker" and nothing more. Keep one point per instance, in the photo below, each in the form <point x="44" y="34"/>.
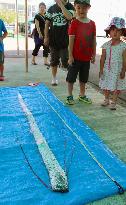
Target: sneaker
<point x="70" y="100"/>
<point x="112" y="106"/>
<point x="54" y="82"/>
<point x="105" y="103"/>
<point x="84" y="99"/>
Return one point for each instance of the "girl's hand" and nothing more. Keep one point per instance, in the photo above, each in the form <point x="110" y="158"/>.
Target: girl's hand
<point x="122" y="74"/>
<point x="70" y="60"/>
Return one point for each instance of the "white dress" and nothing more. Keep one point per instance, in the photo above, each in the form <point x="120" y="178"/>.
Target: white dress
<point x="112" y="67"/>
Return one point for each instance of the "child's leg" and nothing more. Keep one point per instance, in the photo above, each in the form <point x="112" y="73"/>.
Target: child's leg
<point x="106" y="94"/>
<point x="106" y="100"/>
<point x="1" y="64"/>
<point x="70" y="89"/>
<point x="115" y="96"/>
<point x="70" y="100"/>
<point x="82" y="88"/>
<point x="114" y="100"/>
<point x="1" y="70"/>
<point x="82" y="96"/>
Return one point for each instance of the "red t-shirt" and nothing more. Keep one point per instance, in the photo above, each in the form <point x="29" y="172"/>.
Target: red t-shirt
<point x="84" y="36"/>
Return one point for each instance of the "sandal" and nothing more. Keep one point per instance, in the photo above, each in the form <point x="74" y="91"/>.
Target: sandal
<point x="112" y="106"/>
<point x="1" y="78"/>
<point x="105" y="103"/>
<point x="34" y="63"/>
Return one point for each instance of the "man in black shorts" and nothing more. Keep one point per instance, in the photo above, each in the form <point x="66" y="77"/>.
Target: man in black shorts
<point x="58" y="17"/>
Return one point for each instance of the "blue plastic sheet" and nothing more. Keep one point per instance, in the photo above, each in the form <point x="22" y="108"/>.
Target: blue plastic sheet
<point x="18" y="184"/>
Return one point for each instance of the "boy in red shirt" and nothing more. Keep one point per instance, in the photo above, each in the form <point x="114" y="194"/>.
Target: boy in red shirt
<point x="82" y="49"/>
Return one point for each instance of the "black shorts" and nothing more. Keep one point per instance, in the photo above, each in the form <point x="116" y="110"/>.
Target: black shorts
<point x="56" y="55"/>
<point x="81" y="67"/>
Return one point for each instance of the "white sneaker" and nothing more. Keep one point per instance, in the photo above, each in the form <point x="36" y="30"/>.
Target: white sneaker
<point x="54" y="82"/>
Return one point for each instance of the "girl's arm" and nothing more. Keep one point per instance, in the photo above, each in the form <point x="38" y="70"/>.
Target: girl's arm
<point x="3" y="36"/>
<point x="94" y="51"/>
<point x="102" y="61"/>
<point x="70" y="49"/>
<point x="38" y="28"/>
<point x="122" y="74"/>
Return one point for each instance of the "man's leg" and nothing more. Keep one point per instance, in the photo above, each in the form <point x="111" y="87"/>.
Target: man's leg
<point x="54" y="62"/>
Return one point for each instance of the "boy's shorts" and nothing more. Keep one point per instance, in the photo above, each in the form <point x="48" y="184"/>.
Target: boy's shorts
<point x="81" y="67"/>
<point x="56" y="55"/>
<point x="1" y="57"/>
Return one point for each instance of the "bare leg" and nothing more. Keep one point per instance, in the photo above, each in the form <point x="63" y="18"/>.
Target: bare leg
<point x="1" y="69"/>
<point x="115" y="96"/>
<point x="106" y="94"/>
<point x="33" y="60"/>
<point x="54" y="71"/>
<point x="114" y="100"/>
<point x="70" y="88"/>
<point x="54" y="79"/>
<point x="46" y="61"/>
<point x="82" y="89"/>
<point x="106" y="100"/>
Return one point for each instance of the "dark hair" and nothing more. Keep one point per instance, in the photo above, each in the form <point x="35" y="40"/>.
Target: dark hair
<point x="108" y="31"/>
<point x="80" y="2"/>
<point x="42" y="4"/>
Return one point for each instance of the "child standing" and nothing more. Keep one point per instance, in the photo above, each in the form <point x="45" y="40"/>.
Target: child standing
<point x="58" y="17"/>
<point x="113" y="62"/>
<point x="3" y="34"/>
<point x="82" y="50"/>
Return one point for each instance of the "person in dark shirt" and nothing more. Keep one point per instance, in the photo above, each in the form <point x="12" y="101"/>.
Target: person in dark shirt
<point x="38" y="35"/>
<point x="57" y="18"/>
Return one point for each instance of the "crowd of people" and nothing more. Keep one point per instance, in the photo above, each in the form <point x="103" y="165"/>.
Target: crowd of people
<point x="66" y="32"/>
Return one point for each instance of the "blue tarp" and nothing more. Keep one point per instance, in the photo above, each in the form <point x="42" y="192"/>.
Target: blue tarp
<point x="18" y="184"/>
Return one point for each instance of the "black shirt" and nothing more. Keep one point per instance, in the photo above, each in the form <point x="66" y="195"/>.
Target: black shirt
<point x="41" y="20"/>
<point x="58" y="34"/>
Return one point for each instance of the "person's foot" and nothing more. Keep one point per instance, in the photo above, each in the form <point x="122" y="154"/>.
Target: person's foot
<point x="112" y="106"/>
<point x="33" y="63"/>
<point x="70" y="100"/>
<point x="2" y="78"/>
<point x="84" y="99"/>
<point x="47" y="64"/>
<point x="105" y="103"/>
<point x="54" y="82"/>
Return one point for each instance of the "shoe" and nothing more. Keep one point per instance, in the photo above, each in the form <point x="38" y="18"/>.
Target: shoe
<point x="70" y="100"/>
<point x="54" y="82"/>
<point x="47" y="64"/>
<point x="84" y="99"/>
<point x="105" y="103"/>
<point x="112" y="106"/>
<point x="1" y="78"/>
<point x="34" y="63"/>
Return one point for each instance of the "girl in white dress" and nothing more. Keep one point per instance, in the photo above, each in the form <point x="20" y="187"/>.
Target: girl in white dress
<point x="113" y="62"/>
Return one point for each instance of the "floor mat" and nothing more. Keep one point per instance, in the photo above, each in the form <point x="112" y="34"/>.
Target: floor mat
<point x="77" y="148"/>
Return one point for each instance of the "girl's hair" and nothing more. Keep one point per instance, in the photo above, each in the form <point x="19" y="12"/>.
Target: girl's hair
<point x="108" y="31"/>
<point x="42" y="4"/>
